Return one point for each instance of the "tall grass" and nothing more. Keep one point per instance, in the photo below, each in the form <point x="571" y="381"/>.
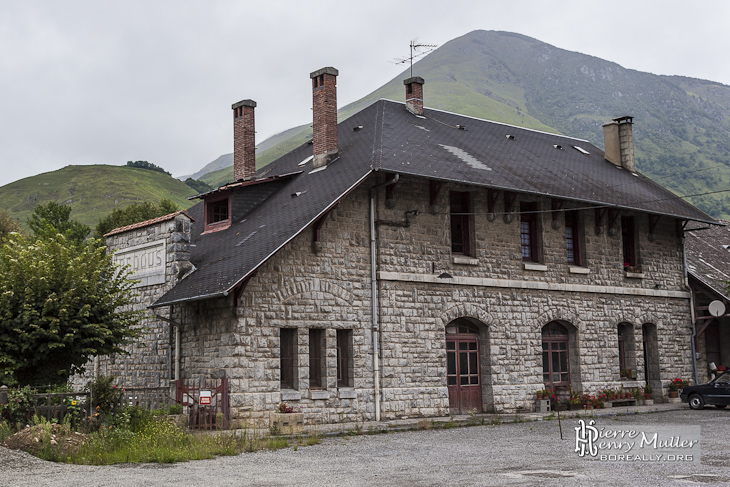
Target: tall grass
<point x="161" y="441"/>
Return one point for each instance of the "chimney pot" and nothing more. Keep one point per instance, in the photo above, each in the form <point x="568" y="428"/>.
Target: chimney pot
<point x="414" y="94"/>
<point x="618" y="140"/>
<point x="324" y="108"/>
<point x="244" y="140"/>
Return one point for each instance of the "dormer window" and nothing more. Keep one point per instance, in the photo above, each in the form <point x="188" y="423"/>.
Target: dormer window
<point x="218" y="211"/>
<point x="217" y="214"/>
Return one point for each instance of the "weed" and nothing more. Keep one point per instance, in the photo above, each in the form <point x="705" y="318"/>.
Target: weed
<point x="473" y="416"/>
<point x="425" y="424"/>
<point x="496" y="420"/>
<point x="313" y="440"/>
<point x="357" y="430"/>
<point x="276" y="442"/>
<point x="5" y="431"/>
<point x="517" y="418"/>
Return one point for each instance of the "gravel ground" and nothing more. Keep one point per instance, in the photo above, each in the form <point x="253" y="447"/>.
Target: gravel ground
<point x="528" y="453"/>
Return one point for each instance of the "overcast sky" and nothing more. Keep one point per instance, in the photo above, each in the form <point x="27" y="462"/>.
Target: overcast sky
<point x="104" y="82"/>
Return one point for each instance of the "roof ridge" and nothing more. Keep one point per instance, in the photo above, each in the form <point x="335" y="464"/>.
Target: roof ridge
<point x="497" y="123"/>
<point x="146" y="223"/>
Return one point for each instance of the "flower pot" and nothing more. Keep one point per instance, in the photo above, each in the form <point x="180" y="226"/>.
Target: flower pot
<point x="539" y="397"/>
<point x="673" y="394"/>
<point x="286" y="423"/>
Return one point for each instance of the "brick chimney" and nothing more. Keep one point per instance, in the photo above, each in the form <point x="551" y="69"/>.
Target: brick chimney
<point x="324" y="106"/>
<point x="414" y="94"/>
<point x="618" y="139"/>
<point x="244" y="140"/>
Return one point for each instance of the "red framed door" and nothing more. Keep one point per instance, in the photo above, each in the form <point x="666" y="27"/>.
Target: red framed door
<point x="463" y="378"/>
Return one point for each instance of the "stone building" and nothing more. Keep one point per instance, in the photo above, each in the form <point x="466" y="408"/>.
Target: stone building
<point x="413" y="262"/>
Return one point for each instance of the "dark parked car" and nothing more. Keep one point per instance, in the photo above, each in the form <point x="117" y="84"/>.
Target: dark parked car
<point x="716" y="392"/>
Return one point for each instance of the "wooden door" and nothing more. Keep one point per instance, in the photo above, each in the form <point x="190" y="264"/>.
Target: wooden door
<point x="462" y="369"/>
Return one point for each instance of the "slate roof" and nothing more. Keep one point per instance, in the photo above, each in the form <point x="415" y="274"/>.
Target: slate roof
<point x="393" y="140"/>
<point x="708" y="257"/>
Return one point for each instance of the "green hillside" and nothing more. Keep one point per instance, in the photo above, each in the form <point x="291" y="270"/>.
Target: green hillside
<point x="682" y="125"/>
<point x="92" y="191"/>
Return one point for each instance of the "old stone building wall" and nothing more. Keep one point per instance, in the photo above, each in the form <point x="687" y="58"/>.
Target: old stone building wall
<point x="159" y="255"/>
<point x="327" y="286"/>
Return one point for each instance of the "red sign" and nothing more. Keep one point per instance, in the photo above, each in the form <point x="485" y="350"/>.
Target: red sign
<point x="205" y="398"/>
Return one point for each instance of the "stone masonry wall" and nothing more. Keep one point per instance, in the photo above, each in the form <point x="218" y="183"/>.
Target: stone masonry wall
<point x="159" y="255"/>
<point x="328" y="287"/>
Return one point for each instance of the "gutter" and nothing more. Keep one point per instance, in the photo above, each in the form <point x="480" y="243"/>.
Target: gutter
<point x="374" y="294"/>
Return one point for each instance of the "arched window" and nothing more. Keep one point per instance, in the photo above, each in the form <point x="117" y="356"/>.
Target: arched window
<point x="555" y="359"/>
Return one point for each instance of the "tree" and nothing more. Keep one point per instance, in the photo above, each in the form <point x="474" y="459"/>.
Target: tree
<point x="199" y="186"/>
<point x="147" y="165"/>
<point x="50" y="219"/>
<point x="8" y="224"/>
<point x="60" y="304"/>
<point x="135" y="213"/>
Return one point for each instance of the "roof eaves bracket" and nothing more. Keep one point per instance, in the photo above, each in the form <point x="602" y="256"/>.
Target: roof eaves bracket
<point x="613" y="214"/>
<point x="599" y="214"/>
<point x="557" y="208"/>
<point x="316" y="230"/>
<point x="434" y="188"/>
<point x="509" y="202"/>
<point x="653" y="220"/>
<point x="492" y="196"/>
<point x="390" y="192"/>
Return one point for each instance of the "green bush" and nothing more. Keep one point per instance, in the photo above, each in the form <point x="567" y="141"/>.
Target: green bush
<point x="19" y="409"/>
<point x="105" y="396"/>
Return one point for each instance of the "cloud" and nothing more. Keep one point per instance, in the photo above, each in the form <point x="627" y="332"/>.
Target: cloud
<point x="103" y="82"/>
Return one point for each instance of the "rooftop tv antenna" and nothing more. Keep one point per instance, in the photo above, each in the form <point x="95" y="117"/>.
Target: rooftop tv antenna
<point x="420" y="50"/>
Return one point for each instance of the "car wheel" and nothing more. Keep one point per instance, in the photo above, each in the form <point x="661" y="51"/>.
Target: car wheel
<point x="720" y="406"/>
<point x="696" y="401"/>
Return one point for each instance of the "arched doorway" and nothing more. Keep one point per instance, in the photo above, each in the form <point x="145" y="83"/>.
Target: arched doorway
<point x="463" y="364"/>
<point x="555" y="355"/>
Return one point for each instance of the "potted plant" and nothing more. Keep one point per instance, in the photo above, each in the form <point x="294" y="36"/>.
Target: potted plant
<point x="675" y="385"/>
<point x="638" y="394"/>
<point x="648" y="398"/>
<point x="287" y="419"/>
<point x="574" y="401"/>
<point x="540" y="394"/>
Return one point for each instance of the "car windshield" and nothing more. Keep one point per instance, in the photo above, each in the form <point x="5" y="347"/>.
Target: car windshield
<point x="723" y="379"/>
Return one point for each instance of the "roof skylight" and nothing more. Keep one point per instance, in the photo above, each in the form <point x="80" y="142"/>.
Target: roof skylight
<point x="581" y="150"/>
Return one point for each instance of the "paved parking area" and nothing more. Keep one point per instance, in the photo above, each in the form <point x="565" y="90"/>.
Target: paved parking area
<point x="525" y="453"/>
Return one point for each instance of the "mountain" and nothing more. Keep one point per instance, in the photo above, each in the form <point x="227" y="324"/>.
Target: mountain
<point x="681" y="125"/>
<point x="92" y="191"/>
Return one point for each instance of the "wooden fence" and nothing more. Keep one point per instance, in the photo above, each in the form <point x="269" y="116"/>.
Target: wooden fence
<point x="56" y="406"/>
<point x="61" y="404"/>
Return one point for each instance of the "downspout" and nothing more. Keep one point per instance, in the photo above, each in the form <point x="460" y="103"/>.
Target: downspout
<point x="178" y="333"/>
<point x="374" y="294"/>
<point x="692" y="315"/>
<point x="178" y="339"/>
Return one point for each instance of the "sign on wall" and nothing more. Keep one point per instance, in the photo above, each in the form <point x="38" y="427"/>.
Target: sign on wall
<point x="146" y="260"/>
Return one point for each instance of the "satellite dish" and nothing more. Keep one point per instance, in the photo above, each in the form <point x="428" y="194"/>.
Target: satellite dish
<point x="716" y="308"/>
